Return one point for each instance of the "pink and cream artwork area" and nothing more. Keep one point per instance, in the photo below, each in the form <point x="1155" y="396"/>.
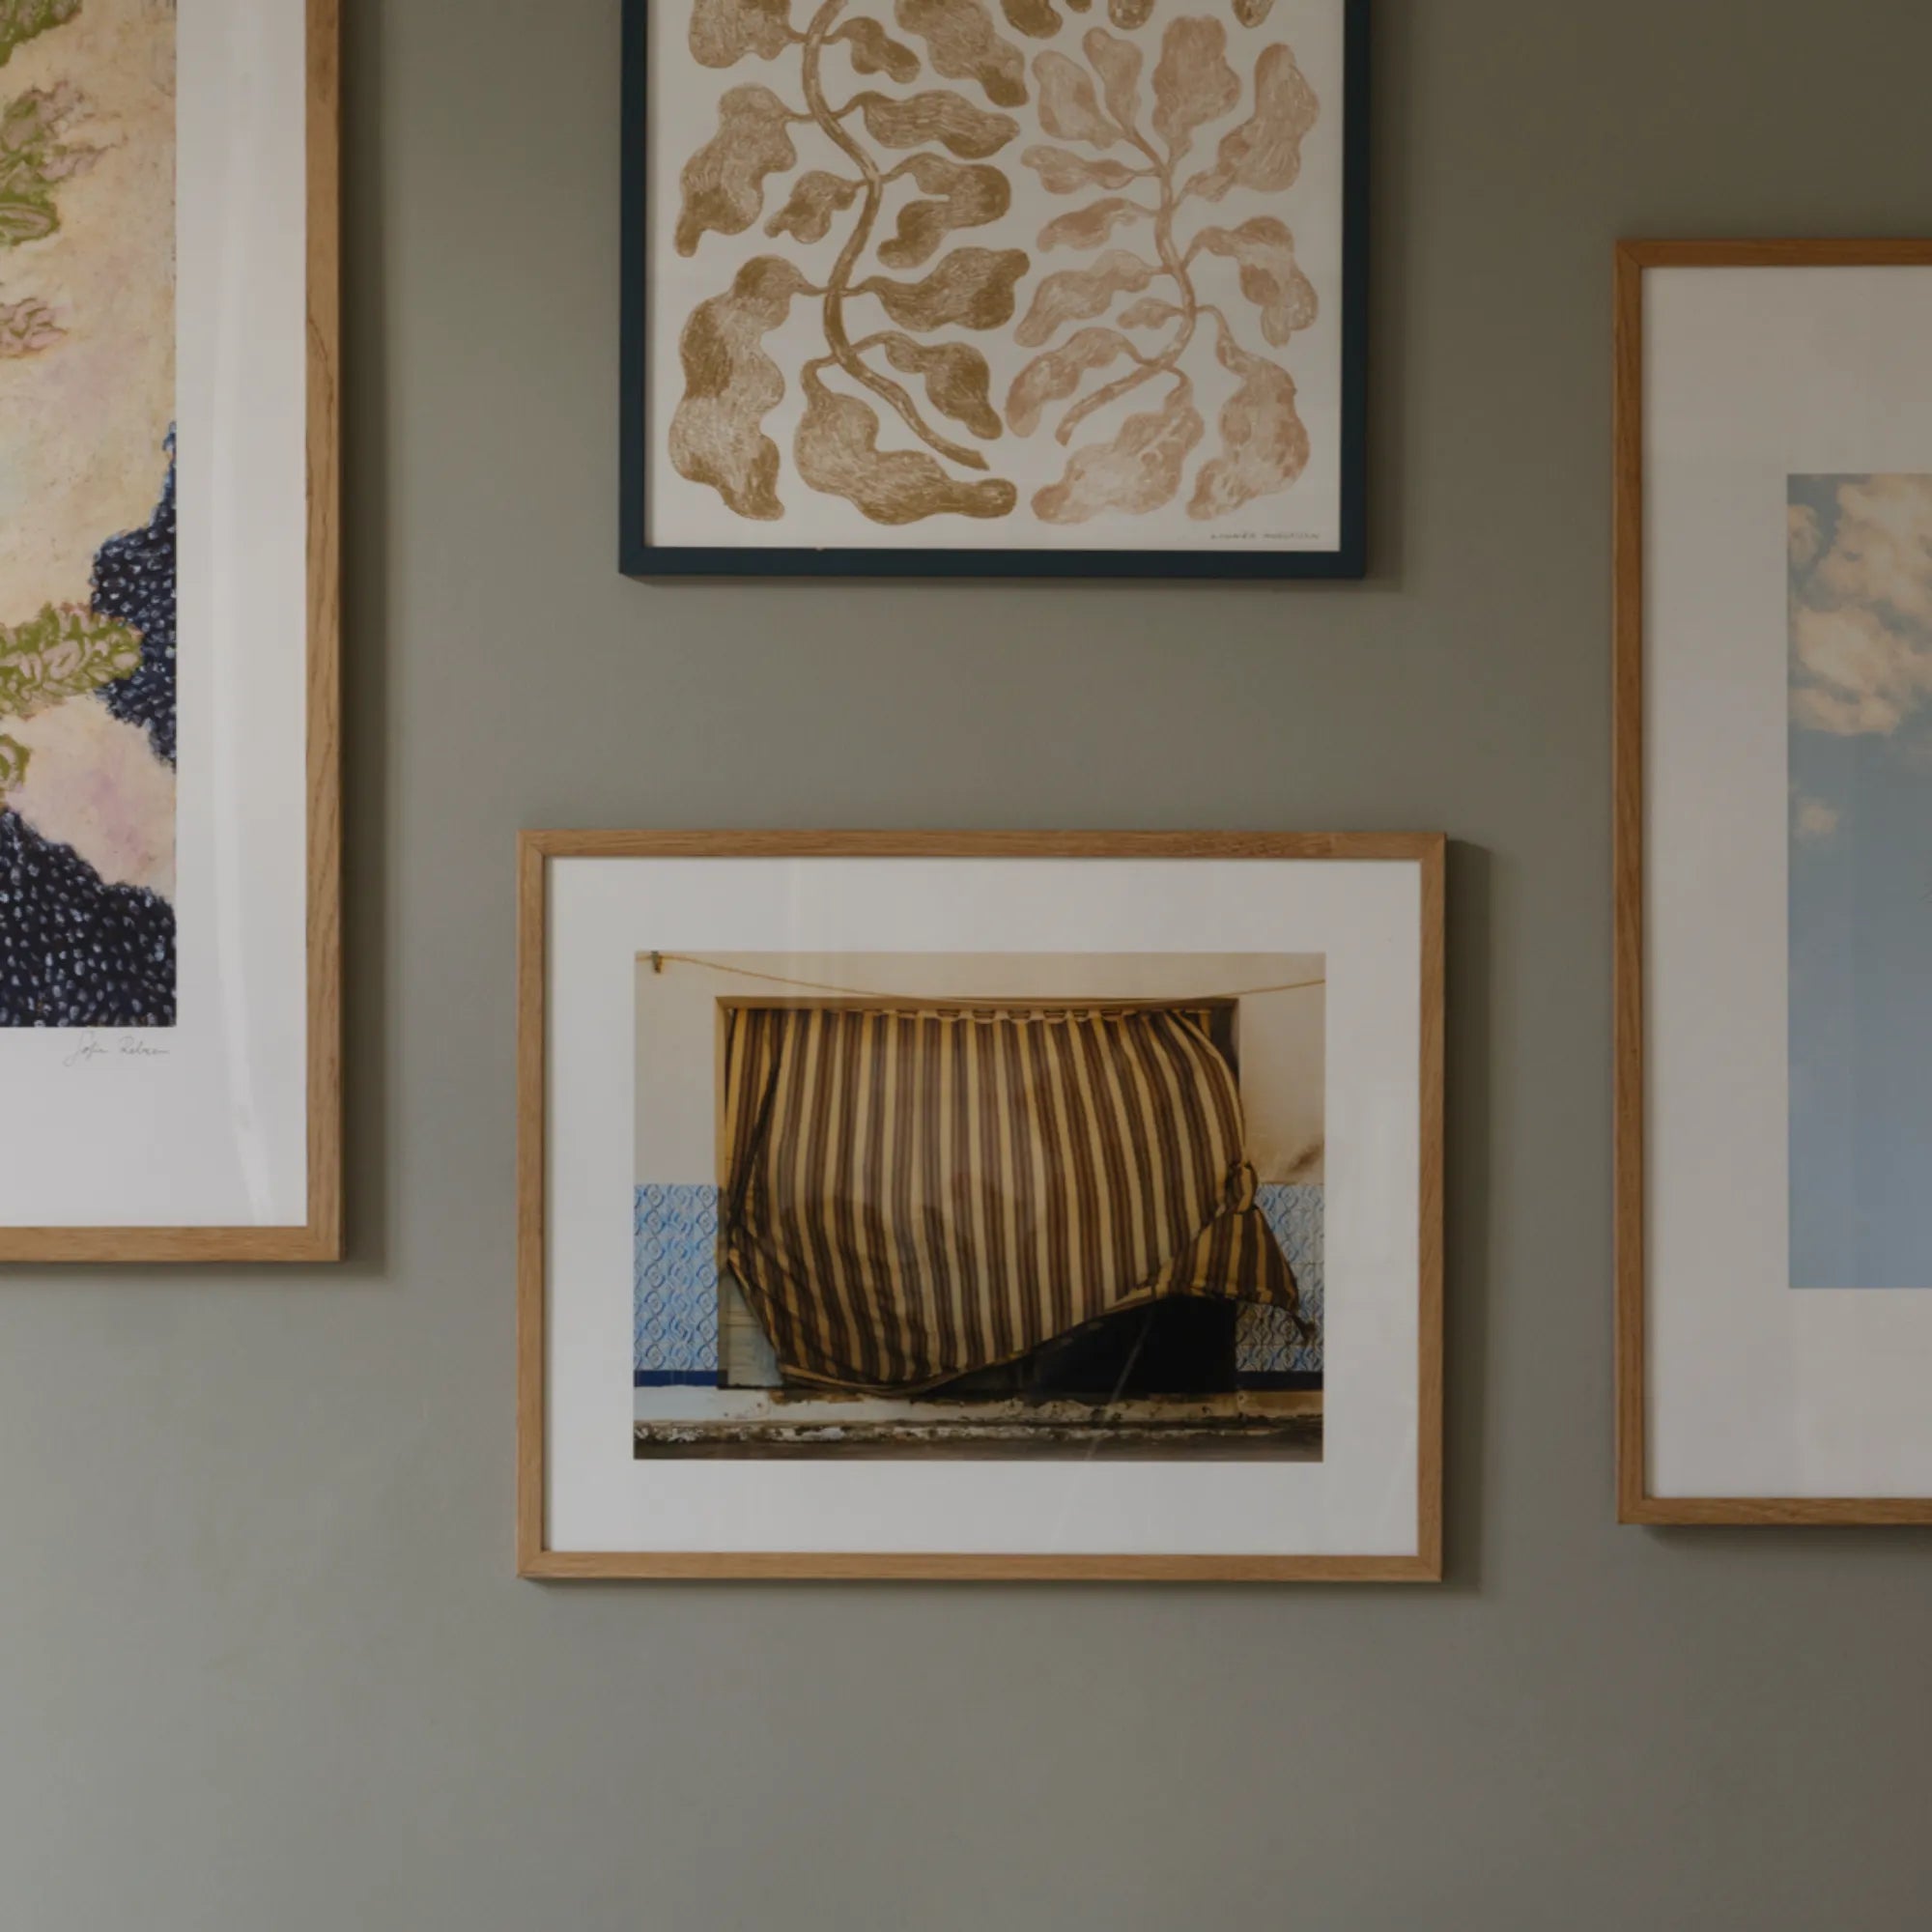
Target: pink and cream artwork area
<point x="168" y="716"/>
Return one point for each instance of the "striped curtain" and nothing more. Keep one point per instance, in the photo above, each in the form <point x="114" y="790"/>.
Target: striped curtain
<point x="916" y="1194"/>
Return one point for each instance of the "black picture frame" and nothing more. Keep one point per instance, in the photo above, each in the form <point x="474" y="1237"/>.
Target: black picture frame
<point x="641" y="559"/>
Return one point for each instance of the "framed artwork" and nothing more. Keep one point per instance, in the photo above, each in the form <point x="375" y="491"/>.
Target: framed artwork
<point x="168" y="630"/>
<point x="1774" y="886"/>
<point x="918" y="288"/>
<point x="980" y="1205"/>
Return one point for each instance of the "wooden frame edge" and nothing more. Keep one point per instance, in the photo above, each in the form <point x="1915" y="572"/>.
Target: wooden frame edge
<point x="535" y="849"/>
<point x="1635" y="1503"/>
<point x="320" y="1238"/>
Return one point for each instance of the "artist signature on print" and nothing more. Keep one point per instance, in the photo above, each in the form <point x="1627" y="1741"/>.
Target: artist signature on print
<point x="94" y="1049"/>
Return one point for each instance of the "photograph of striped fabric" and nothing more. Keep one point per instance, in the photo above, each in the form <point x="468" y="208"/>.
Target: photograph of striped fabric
<point x="917" y="1193"/>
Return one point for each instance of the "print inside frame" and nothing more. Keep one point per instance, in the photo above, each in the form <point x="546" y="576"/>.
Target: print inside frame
<point x="169" y="631"/>
<point x="920" y="288"/>
<point x="1773" y="635"/>
<point x="860" y="958"/>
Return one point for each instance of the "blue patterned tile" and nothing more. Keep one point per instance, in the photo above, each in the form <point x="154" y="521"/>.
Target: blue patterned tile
<point x="675" y="1310"/>
<point x="1264" y="1341"/>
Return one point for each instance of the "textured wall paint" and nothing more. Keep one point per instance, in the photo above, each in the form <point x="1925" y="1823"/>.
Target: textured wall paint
<point x="263" y="1664"/>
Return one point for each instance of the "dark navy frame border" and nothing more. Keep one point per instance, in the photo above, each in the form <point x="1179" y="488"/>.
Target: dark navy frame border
<point x="642" y="559"/>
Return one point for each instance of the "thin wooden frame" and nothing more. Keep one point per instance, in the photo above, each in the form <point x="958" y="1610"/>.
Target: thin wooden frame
<point x="320" y="1237"/>
<point x="1636" y="1502"/>
<point x="536" y="1559"/>
<point x="638" y="557"/>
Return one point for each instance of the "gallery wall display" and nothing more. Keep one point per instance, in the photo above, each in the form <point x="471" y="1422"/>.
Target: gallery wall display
<point x="1774" y="882"/>
<point x="168" y="797"/>
<point x="929" y="287"/>
<point x="1001" y="1204"/>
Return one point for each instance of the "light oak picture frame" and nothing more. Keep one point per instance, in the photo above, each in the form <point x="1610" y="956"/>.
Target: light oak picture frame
<point x="320" y="1236"/>
<point x="536" y="1559"/>
<point x="1637" y="1502"/>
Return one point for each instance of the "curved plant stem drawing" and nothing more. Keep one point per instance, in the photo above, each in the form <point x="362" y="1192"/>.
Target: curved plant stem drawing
<point x="1098" y="105"/>
<point x="838" y="286"/>
<point x="732" y="380"/>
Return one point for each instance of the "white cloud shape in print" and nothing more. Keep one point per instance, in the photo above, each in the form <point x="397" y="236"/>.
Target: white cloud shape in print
<point x="1815" y="822"/>
<point x="1862" y="608"/>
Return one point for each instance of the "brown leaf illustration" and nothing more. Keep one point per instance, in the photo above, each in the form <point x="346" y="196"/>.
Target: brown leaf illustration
<point x="873" y="50"/>
<point x="966" y="46"/>
<point x="729" y="387"/>
<point x="723" y="31"/>
<point x="1091" y="226"/>
<point x="724" y="181"/>
<point x="1068" y="111"/>
<point x="947" y="118"/>
<point x="1036" y="18"/>
<point x="1127" y="15"/>
<point x="1193" y="83"/>
<point x="1056" y="374"/>
<point x="1252" y="13"/>
<point x="1149" y="312"/>
<point x="815" y="198"/>
<point x="1075" y="294"/>
<point x="1264" y="248"/>
<point x="972" y="197"/>
<point x="957" y="381"/>
<point x="1063" y="173"/>
<point x="1263" y="442"/>
<point x="1117" y="63"/>
<point x="838" y="451"/>
<point x="1138" y="472"/>
<point x="1265" y="151"/>
<point x="972" y="287"/>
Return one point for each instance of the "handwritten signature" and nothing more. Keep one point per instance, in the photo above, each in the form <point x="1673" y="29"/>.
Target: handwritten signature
<point x="128" y="1046"/>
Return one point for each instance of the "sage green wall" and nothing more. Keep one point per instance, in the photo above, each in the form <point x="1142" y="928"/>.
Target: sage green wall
<point x="263" y="1664"/>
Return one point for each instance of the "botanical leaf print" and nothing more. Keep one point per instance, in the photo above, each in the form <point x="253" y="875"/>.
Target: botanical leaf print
<point x="972" y="287"/>
<point x="1263" y="442"/>
<point x="1117" y="63"/>
<point x="1036" y="18"/>
<point x="724" y="181"/>
<point x="873" y="50"/>
<point x="1139" y="470"/>
<point x="1090" y="227"/>
<point x="1075" y="294"/>
<point x="815" y="198"/>
<point x="837" y="451"/>
<point x="889" y="177"/>
<point x="965" y="46"/>
<point x="973" y="197"/>
<point x="1265" y="151"/>
<point x="13" y="764"/>
<point x="1193" y="84"/>
<point x="957" y="381"/>
<point x="1069" y="109"/>
<point x="945" y="117"/>
<point x="1063" y="173"/>
<point x="1270" y="279"/>
<point x="729" y="387"/>
<point x="1149" y="312"/>
<point x="723" y="32"/>
<point x="1056" y="374"/>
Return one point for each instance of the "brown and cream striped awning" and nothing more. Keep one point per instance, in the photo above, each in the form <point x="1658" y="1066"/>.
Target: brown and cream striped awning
<point x="917" y="1193"/>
